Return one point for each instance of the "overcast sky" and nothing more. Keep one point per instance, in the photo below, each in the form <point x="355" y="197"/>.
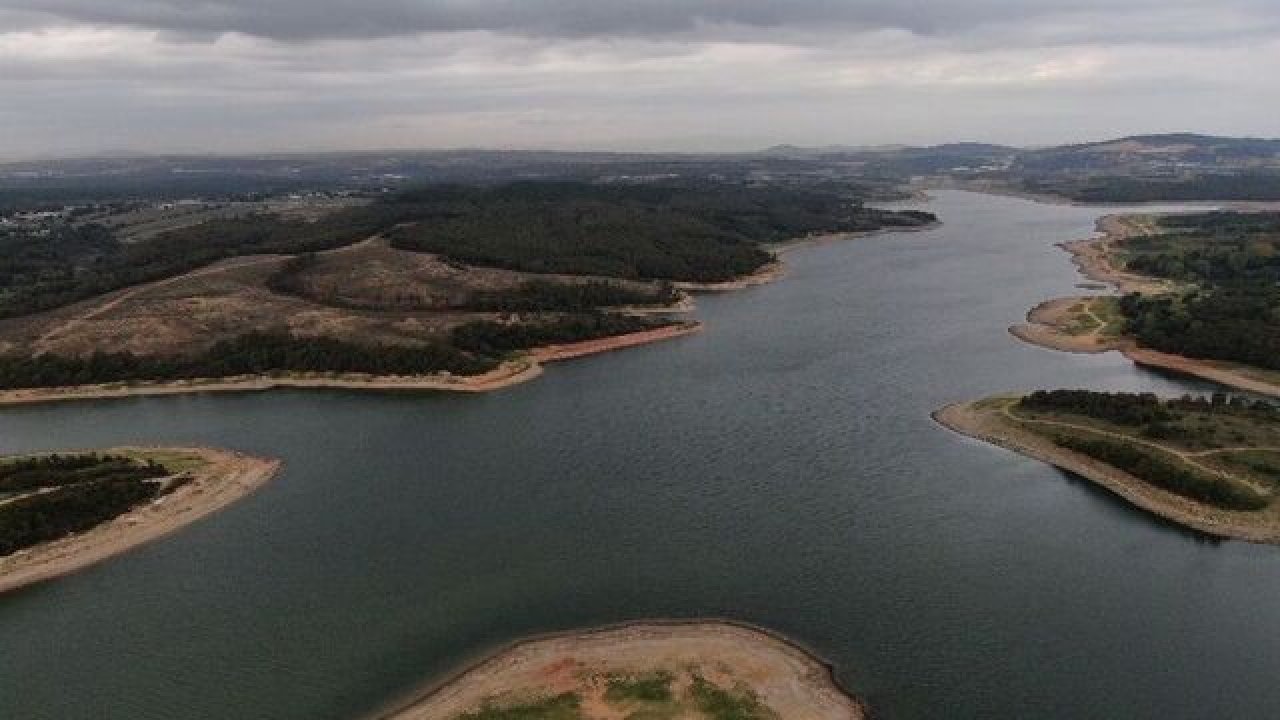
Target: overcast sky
<point x="81" y="76"/>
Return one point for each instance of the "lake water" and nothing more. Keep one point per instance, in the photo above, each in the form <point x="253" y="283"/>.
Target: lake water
<point x="780" y="468"/>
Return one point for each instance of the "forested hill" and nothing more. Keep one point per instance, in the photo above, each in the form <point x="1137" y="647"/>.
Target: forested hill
<point x="701" y="233"/>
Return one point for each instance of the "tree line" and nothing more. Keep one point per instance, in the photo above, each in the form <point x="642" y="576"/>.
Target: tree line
<point x="23" y="474"/>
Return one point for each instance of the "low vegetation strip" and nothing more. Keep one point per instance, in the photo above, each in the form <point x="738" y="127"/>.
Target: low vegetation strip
<point x="1167" y="471"/>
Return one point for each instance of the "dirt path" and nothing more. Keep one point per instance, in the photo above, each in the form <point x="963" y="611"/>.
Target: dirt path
<point x="223" y="478"/>
<point x="784" y="677"/>
<point x="1215" y="451"/>
<point x="1183" y="455"/>
<point x="982" y="421"/>
<point x="45" y="341"/>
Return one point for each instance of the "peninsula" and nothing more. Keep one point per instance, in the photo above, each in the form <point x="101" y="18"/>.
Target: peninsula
<point x="1208" y="464"/>
<point x="652" y="670"/>
<point x="63" y="512"/>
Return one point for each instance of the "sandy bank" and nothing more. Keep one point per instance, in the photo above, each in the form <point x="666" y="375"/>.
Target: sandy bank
<point x="505" y="375"/>
<point x="1244" y="377"/>
<point x="985" y="420"/>
<point x="783" y="676"/>
<point x="764" y="274"/>
<point x="223" y="478"/>
<point x="1046" y="325"/>
<point x="568" y="351"/>
<point x="777" y="269"/>
<point x="1093" y="256"/>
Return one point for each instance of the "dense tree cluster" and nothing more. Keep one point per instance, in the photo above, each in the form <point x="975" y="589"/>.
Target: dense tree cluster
<point x="25" y="474"/>
<point x="1119" y="408"/>
<point x="1169" y="474"/>
<point x="1221" y="324"/>
<point x="1232" y="311"/>
<point x="1137" y="409"/>
<point x="1216" y="249"/>
<point x="44" y="517"/>
<point x="57" y="495"/>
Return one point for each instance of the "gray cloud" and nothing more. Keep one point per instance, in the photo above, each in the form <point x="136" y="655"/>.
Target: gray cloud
<point x="295" y="20"/>
<point x="81" y="75"/>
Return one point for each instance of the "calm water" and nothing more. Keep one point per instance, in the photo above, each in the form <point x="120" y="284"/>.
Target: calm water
<point x="780" y="468"/>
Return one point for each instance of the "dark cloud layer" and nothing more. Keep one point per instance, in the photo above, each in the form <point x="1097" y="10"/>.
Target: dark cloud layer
<point x="295" y="20"/>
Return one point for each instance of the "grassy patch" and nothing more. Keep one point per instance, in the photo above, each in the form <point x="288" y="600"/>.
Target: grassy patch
<point x="720" y="704"/>
<point x="566" y="706"/>
<point x="173" y="461"/>
<point x="649" y="688"/>
<point x="1261" y="465"/>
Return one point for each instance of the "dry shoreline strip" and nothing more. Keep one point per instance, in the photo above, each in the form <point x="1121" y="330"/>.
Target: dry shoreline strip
<point x="225" y="478"/>
<point x="512" y="372"/>
<point x="982" y="420"/>
<point x="785" y="677"/>
<point x="1045" y="322"/>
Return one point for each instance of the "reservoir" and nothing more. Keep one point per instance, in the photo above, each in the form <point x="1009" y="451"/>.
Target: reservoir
<point x="780" y="468"/>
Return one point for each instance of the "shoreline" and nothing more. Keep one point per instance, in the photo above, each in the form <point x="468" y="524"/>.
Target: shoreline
<point x="508" y="374"/>
<point x="762" y="275"/>
<point x="226" y="477"/>
<point x="484" y="675"/>
<point x="1043" y="326"/>
<point x="968" y="419"/>
<point x="772" y="271"/>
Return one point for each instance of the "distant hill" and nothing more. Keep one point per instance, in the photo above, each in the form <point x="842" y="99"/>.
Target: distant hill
<point x="1152" y="154"/>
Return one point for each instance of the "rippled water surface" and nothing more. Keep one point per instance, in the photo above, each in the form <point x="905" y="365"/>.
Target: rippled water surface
<point x="780" y="468"/>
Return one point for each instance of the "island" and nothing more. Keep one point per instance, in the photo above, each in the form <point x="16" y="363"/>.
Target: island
<point x="653" y="670"/>
<point x="1200" y="293"/>
<point x="1211" y="464"/>
<point x="62" y="512"/>
<point x="441" y="287"/>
